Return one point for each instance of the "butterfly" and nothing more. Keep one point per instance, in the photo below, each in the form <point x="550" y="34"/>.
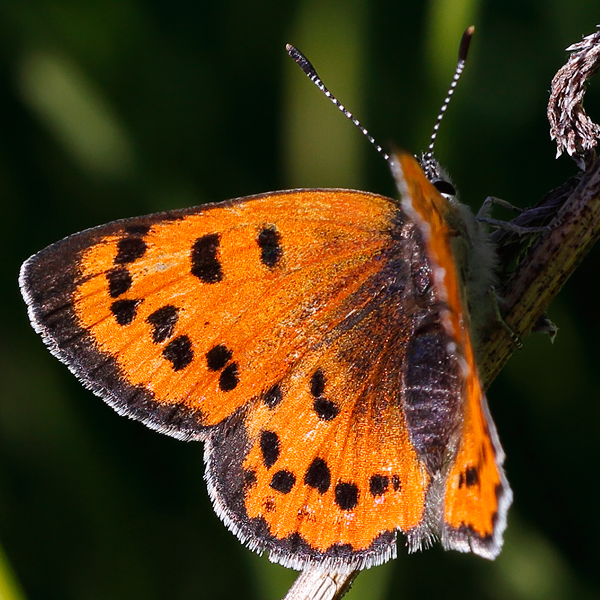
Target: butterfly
<point x="318" y="341"/>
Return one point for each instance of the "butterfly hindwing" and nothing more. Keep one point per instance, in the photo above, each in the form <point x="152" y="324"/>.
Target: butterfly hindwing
<point x="477" y="494"/>
<point x="337" y="483"/>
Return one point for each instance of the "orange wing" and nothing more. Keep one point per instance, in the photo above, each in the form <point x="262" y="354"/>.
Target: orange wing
<point x="475" y="492"/>
<point x="305" y="336"/>
<point x="179" y="319"/>
<point x="324" y="462"/>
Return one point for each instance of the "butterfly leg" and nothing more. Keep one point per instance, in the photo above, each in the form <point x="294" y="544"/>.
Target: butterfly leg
<point x="484" y="211"/>
<point x="508" y="226"/>
<point x="486" y="207"/>
<point x="500" y="319"/>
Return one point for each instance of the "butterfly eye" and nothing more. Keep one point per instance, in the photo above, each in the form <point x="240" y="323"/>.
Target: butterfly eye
<point x="444" y="187"/>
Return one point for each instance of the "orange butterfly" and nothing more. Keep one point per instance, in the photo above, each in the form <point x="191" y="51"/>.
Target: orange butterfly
<point x="317" y="341"/>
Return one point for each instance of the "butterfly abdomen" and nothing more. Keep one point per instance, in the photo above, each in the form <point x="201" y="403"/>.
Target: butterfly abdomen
<point x="433" y="393"/>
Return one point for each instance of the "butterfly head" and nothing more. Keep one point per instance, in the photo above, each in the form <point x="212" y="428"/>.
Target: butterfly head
<point x="438" y="177"/>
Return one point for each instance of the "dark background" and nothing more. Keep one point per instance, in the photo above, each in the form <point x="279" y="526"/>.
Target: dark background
<point x="118" y="108"/>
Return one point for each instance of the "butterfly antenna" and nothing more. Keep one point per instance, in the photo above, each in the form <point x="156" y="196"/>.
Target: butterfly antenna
<point x="462" y="59"/>
<point x="310" y="72"/>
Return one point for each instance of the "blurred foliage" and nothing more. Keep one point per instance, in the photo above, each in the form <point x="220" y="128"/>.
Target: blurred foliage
<point x="113" y="108"/>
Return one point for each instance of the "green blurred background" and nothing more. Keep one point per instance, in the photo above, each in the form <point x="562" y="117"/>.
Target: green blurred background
<point x="114" y="108"/>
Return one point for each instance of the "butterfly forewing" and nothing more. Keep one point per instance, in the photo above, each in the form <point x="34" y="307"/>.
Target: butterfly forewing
<point x="185" y="309"/>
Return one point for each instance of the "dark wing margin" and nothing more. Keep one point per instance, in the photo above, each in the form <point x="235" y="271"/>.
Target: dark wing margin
<point x="48" y="280"/>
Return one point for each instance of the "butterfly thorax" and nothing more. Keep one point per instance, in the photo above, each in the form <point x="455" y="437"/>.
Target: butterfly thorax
<point x="476" y="262"/>
<point x="474" y="253"/>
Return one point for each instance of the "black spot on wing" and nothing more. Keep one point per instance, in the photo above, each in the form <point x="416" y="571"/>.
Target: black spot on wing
<point x="469" y="478"/>
<point x="129" y="249"/>
<point x="119" y="281"/>
<point x="229" y="378"/>
<point x="283" y="481"/>
<point x="318" y="475"/>
<point x="472" y="476"/>
<point x="269" y="447"/>
<point x="317" y="383"/>
<point x="205" y="262"/>
<point x="346" y="495"/>
<point x="273" y="396"/>
<point x="137" y="229"/>
<point x="378" y="485"/>
<point x="325" y="409"/>
<point x="217" y="357"/>
<point x="124" y="311"/>
<point x="270" y="248"/>
<point x="179" y="352"/>
<point x="163" y="323"/>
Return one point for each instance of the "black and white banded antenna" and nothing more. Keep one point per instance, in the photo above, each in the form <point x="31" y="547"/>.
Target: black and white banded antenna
<point x="428" y="163"/>
<point x="460" y="66"/>
<point x="310" y="72"/>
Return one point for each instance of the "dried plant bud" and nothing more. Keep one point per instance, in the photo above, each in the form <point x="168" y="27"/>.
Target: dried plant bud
<point x="570" y="126"/>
